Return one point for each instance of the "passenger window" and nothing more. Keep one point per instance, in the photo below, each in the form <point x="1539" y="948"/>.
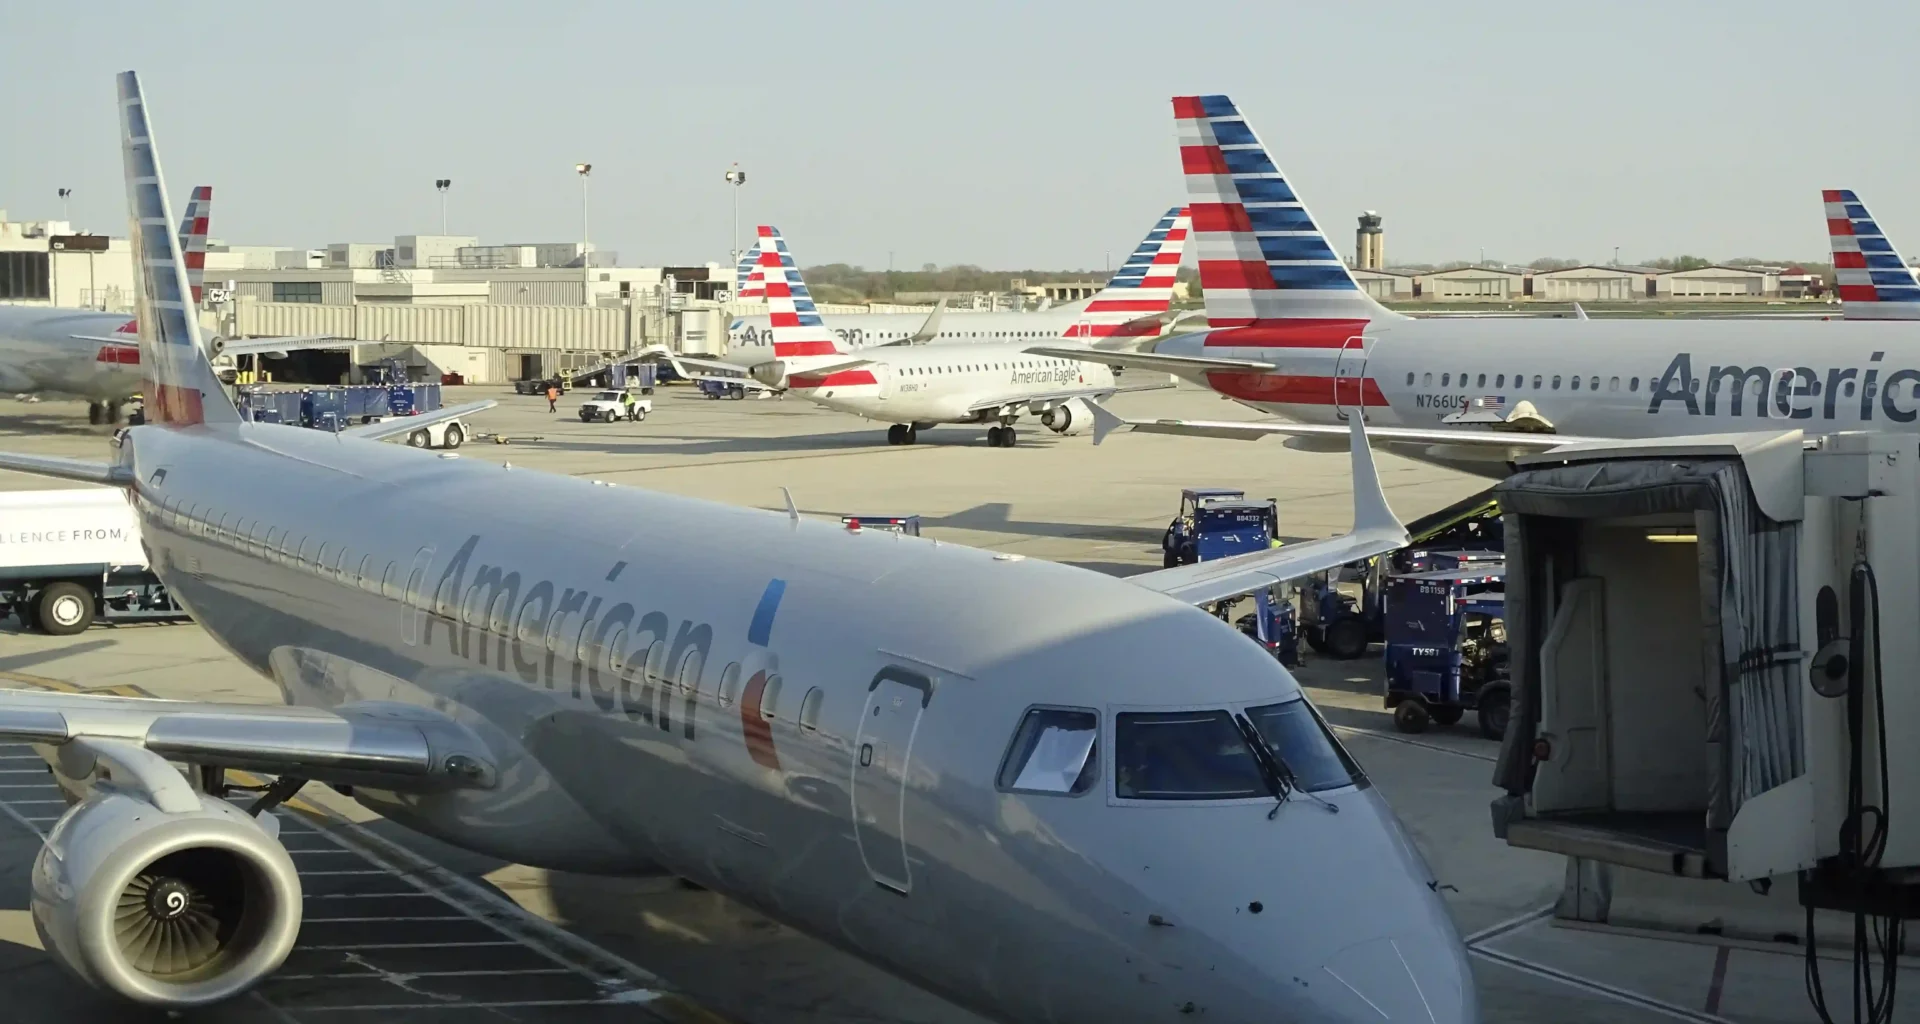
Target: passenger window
<point x="497" y="616"/>
<point x="691" y="667"/>
<point x="1573" y="384"/>
<point x="1444" y="378"/>
<point x="729" y="684"/>
<point x="530" y="627"/>
<point x="470" y="609"/>
<point x="1482" y="381"/>
<point x="1500" y="381"/>
<point x="1055" y="750"/>
<point x="1187" y="755"/>
<point x="810" y="709"/>
<point x="616" y="644"/>
<point x="1426" y="380"/>
<point x="1297" y="735"/>
<point x="1536" y="382"/>
<point x="1633" y="384"/>
<point x="1409" y="380"/>
<point x="1593" y="383"/>
<point x="1613" y="383"/>
<point x="363" y="576"/>
<point x="1556" y="382"/>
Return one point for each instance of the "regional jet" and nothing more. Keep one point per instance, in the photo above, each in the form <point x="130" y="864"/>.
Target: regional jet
<point x="1290" y="332"/>
<point x="1081" y="798"/>
<point x="990" y="384"/>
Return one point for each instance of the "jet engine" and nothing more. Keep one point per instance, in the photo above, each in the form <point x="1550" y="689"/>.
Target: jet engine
<point x="772" y="373"/>
<point x="1069" y="417"/>
<point x="173" y="907"/>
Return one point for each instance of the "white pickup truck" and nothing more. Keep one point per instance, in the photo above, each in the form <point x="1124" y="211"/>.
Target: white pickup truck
<point x="70" y="557"/>
<point x="607" y="406"/>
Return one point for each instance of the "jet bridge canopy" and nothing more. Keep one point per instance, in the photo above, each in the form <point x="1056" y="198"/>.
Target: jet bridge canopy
<point x="1652" y="610"/>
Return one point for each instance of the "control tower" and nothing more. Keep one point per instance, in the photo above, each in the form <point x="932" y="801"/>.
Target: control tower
<point x="1370" y="243"/>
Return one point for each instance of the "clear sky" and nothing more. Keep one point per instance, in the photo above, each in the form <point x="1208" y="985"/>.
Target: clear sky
<point x="1003" y="134"/>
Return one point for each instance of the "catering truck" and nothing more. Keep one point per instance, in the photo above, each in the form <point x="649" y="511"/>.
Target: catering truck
<point x="69" y="558"/>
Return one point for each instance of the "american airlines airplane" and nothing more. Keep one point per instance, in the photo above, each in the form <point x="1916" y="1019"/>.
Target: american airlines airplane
<point x="1132" y="305"/>
<point x="84" y="352"/>
<point x="1291" y="333"/>
<point x="917" y="387"/>
<point x="1083" y="799"/>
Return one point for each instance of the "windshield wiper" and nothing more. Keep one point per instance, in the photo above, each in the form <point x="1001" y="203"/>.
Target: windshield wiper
<point x="1280" y="778"/>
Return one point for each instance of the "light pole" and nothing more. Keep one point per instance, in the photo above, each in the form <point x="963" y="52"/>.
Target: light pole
<point x="1616" y="255"/>
<point x="735" y="177"/>
<point x="586" y="264"/>
<point x="441" y="185"/>
<point x="66" y="213"/>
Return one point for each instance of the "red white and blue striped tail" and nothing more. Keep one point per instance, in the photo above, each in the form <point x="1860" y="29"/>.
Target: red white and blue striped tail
<point x="193" y="239"/>
<point x="748" y="282"/>
<point x="1873" y="281"/>
<point x="797" y="328"/>
<point x="180" y="388"/>
<point x="1143" y="286"/>
<point x="1263" y="260"/>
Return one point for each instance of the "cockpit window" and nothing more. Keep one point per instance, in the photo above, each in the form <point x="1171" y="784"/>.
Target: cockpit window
<point x="1054" y="752"/>
<point x="1185" y="755"/>
<point x="1305" y="746"/>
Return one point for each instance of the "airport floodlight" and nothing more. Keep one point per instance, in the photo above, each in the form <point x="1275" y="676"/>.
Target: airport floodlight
<point x="65" y="194"/>
<point x="583" y="169"/>
<point x="736" y="176"/>
<point x="441" y="185"/>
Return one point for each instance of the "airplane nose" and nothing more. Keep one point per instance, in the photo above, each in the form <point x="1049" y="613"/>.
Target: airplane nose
<point x="1400" y="979"/>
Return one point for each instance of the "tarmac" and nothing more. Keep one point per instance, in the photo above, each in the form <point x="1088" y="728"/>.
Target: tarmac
<point x="400" y="928"/>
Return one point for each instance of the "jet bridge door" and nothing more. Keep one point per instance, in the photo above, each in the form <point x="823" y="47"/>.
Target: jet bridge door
<point x="1573" y="703"/>
<point x="882" y="753"/>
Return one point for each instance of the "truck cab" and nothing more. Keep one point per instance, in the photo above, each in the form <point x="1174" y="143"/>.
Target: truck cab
<point x="1218" y="522"/>
<point x="1447" y="647"/>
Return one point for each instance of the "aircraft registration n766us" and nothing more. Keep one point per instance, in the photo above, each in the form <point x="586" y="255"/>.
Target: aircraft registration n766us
<point x="1082" y="799"/>
<point x="1292" y="333"/>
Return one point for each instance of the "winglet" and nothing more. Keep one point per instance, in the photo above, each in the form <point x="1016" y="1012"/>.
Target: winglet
<point x="1580" y="314"/>
<point x="1104" y="422"/>
<point x="1370" y="509"/>
<point x="793" y="511"/>
<point x="931" y="329"/>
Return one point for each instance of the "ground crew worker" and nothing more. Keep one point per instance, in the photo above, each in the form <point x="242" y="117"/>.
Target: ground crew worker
<point x="626" y="402"/>
<point x="553" y="398"/>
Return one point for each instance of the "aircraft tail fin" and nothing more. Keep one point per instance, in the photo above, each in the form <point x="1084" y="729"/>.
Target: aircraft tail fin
<point x="1143" y="286"/>
<point x="794" y="323"/>
<point x="193" y="239"/>
<point x="1873" y="281"/>
<point x="749" y="282"/>
<point x="1263" y="259"/>
<point x="180" y="387"/>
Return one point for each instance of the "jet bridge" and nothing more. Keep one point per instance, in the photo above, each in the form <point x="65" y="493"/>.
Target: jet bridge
<point x="1699" y="628"/>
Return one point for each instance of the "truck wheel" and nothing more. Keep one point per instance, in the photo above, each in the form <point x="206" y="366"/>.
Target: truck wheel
<point x="639" y="414"/>
<point x="607" y="417"/>
<point x="1496" y="703"/>
<point x="455" y="437"/>
<point x="65" y="609"/>
<point x="1346" y="639"/>
<point x="419" y="439"/>
<point x="1411" y="716"/>
<point x="1448" y="715"/>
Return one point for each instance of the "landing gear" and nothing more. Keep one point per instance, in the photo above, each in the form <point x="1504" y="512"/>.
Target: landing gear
<point x="96" y="413"/>
<point x="1000" y="437"/>
<point x="113" y="412"/>
<point x="902" y="433"/>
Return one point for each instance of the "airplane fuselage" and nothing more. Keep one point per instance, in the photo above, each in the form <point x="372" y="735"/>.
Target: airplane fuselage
<point x="1596" y="378"/>
<point x="39" y="352"/>
<point x="942" y="383"/>
<point x="750" y="339"/>
<point x="803" y="725"/>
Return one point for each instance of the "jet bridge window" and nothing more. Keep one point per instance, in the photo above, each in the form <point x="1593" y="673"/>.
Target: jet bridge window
<point x="1305" y="746"/>
<point x="1053" y="751"/>
<point x="1186" y="755"/>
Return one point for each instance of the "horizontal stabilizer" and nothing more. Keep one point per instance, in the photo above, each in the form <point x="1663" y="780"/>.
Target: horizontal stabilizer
<point x="1376" y="531"/>
<point x="82" y="470"/>
<point x="399" y="426"/>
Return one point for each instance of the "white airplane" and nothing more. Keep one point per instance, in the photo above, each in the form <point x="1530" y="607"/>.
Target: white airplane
<point x="84" y="352"/>
<point x="917" y="387"/>
<point x="1134" y="304"/>
<point x="1083" y="799"/>
<point x="1291" y="333"/>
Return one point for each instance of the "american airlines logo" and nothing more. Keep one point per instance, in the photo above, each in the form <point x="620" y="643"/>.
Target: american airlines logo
<point x="1048" y="375"/>
<point x="1790" y="393"/>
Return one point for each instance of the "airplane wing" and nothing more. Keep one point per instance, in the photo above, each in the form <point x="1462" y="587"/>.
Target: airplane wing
<point x="928" y="330"/>
<point x="400" y="425"/>
<point x="1490" y="442"/>
<point x="695" y="368"/>
<point x="82" y="470"/>
<point x="1093" y="396"/>
<point x="411" y="751"/>
<point x="1375" y="531"/>
<point x="1151" y="361"/>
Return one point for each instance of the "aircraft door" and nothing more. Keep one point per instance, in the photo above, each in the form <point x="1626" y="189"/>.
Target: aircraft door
<point x="882" y="752"/>
<point x="883" y="376"/>
<point x="1349" y="378"/>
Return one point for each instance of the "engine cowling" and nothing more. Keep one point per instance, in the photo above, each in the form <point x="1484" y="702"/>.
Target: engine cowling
<point x="168" y="909"/>
<point x="1069" y="417"/>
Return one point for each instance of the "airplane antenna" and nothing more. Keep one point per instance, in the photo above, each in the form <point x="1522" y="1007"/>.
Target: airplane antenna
<point x="793" y="511"/>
